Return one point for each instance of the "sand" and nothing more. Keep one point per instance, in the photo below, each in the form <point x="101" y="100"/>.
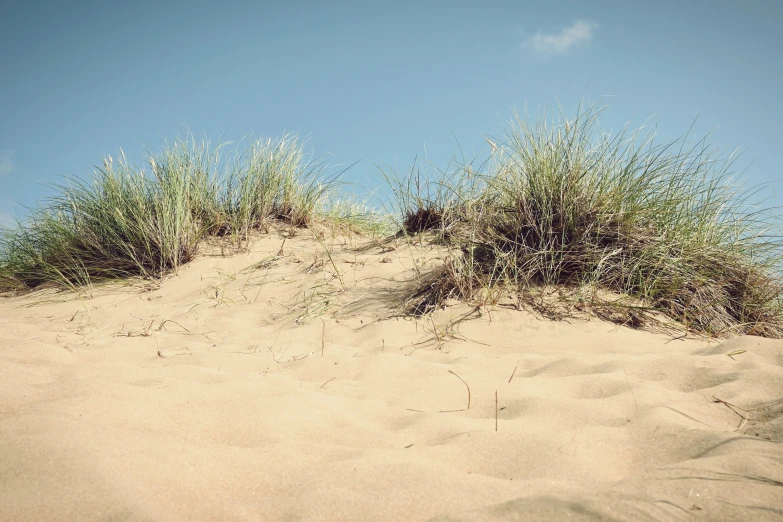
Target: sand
<point x="282" y="392"/>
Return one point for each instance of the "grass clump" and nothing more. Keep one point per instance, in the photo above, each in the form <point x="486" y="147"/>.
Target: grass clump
<point x="269" y="180"/>
<point x="119" y="222"/>
<point x="566" y="205"/>
<point x="125" y="220"/>
<point x="436" y="201"/>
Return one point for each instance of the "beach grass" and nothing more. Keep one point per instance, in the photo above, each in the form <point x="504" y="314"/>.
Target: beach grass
<point x="127" y="220"/>
<point x="563" y="204"/>
<point x="561" y="208"/>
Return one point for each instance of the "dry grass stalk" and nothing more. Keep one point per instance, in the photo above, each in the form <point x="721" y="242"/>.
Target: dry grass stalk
<point x="466" y="386"/>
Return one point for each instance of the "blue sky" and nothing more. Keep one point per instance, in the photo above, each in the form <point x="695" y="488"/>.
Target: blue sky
<point x="374" y="82"/>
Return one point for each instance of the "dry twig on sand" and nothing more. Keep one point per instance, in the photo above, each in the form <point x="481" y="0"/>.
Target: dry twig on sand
<point x="466" y="386"/>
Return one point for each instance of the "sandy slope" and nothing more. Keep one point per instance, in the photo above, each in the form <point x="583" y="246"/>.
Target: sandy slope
<point x="272" y="394"/>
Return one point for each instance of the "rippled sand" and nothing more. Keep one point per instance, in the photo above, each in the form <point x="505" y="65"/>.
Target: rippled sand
<point x="271" y="393"/>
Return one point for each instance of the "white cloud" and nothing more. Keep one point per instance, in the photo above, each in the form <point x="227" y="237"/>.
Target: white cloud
<point x="6" y="162"/>
<point x="559" y="43"/>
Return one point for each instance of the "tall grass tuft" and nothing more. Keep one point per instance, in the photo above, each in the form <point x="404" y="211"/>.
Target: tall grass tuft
<point x="429" y="199"/>
<point x="119" y="222"/>
<point x="125" y="220"/>
<point x="270" y="179"/>
<point x="565" y="204"/>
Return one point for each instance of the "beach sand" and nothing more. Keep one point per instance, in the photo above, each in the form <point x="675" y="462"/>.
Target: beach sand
<point x="282" y="392"/>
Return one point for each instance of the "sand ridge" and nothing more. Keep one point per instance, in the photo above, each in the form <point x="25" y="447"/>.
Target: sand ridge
<point x="267" y="385"/>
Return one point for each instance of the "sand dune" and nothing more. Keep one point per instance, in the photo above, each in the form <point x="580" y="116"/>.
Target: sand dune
<point x="261" y="386"/>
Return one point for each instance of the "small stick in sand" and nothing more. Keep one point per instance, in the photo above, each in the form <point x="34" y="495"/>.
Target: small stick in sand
<point x="463" y="382"/>
<point x="512" y="374"/>
<point x="496" y="410"/>
<point x="323" y="335"/>
<point x="435" y="329"/>
<point x="327" y="382"/>
<point x="163" y="324"/>
<point x="735" y="352"/>
<point x="733" y="407"/>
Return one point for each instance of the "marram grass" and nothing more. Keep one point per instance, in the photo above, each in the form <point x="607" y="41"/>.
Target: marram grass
<point x="125" y="220"/>
<point x="563" y="204"/>
<point x="560" y="205"/>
